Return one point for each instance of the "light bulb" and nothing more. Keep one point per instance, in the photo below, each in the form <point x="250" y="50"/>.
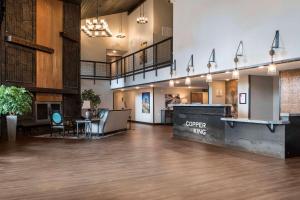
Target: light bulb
<point x="171" y="83"/>
<point x="236" y="74"/>
<point x="188" y="81"/>
<point x="272" y="69"/>
<point x="208" y="78"/>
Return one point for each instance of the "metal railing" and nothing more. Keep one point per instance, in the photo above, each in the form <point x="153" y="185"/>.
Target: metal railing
<point x="153" y="57"/>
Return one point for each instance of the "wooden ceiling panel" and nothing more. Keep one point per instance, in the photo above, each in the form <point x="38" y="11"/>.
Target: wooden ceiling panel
<point x="89" y="7"/>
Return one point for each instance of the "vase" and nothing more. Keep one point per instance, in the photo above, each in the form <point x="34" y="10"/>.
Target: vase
<point x="11" y="121"/>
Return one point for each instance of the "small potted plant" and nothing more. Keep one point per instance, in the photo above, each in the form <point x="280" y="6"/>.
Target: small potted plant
<point x="93" y="98"/>
<point x="14" y="101"/>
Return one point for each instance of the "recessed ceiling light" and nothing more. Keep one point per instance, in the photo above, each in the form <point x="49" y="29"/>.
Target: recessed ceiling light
<point x="114" y="51"/>
<point x="227" y="79"/>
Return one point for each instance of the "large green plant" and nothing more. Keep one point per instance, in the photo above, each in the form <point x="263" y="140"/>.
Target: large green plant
<point x="14" y="100"/>
<point x="90" y="95"/>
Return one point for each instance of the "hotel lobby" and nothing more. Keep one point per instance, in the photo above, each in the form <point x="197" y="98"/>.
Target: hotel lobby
<point x="149" y="99"/>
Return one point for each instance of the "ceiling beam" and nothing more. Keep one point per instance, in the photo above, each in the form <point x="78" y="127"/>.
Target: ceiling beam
<point x="135" y="6"/>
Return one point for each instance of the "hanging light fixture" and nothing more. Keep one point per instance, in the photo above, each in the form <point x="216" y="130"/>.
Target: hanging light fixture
<point x="189" y="68"/>
<point x="272" y="68"/>
<point x="96" y="27"/>
<point x="212" y="59"/>
<point x="239" y="53"/>
<point x="172" y="73"/>
<point x="142" y="19"/>
<point x="121" y="34"/>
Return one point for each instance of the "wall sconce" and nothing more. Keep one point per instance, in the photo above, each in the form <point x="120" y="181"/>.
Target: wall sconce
<point x="212" y="59"/>
<point x="272" y="68"/>
<point x="172" y="73"/>
<point x="189" y="68"/>
<point x="239" y="53"/>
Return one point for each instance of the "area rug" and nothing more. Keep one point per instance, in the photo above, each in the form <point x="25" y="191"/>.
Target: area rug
<point x="74" y="137"/>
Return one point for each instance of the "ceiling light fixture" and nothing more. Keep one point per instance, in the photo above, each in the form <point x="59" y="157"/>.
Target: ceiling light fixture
<point x="142" y="19"/>
<point x="212" y="59"/>
<point x="189" y="68"/>
<point x="239" y="53"/>
<point x="272" y="68"/>
<point x="96" y="27"/>
<point x="121" y="34"/>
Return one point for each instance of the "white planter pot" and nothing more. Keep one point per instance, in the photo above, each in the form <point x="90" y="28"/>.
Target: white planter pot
<point x="11" y="121"/>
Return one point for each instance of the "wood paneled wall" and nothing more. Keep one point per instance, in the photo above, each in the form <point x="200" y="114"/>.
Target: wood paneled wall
<point x="52" y="74"/>
<point x="71" y="63"/>
<point x="49" y="23"/>
<point x="289" y="91"/>
<point x="18" y="65"/>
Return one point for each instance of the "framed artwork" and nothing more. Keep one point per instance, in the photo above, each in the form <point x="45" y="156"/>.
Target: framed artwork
<point x="196" y="97"/>
<point x="172" y="99"/>
<point x="243" y="98"/>
<point x="146" y="102"/>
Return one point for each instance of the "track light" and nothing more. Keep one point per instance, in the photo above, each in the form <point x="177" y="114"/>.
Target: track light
<point x="188" y="81"/>
<point x="171" y="83"/>
<point x="239" y="53"/>
<point x="189" y="68"/>
<point x="212" y="59"/>
<point x="272" y="68"/>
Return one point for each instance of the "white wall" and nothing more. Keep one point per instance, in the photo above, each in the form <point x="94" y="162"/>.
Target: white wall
<point x="133" y="101"/>
<point x="243" y="87"/>
<point x="95" y="48"/>
<point x="101" y="88"/>
<point x="217" y="92"/>
<point x="276" y="98"/>
<point x="199" y="26"/>
<point x="139" y="33"/>
<point x="159" y="98"/>
<point x="261" y="97"/>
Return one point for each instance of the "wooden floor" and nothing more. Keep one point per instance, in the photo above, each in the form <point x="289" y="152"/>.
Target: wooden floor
<point x="146" y="163"/>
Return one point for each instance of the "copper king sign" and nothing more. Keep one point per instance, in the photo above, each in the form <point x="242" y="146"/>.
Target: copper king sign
<point x="198" y="128"/>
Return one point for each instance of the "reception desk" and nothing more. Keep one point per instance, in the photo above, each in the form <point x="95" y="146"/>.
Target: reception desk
<point x="201" y="122"/>
<point x="212" y="124"/>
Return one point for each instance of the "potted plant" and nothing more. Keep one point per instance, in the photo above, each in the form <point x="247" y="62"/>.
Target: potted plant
<point x="14" y="101"/>
<point x="93" y="98"/>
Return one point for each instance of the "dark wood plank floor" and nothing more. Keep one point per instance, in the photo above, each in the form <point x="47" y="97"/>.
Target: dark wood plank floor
<point x="146" y="163"/>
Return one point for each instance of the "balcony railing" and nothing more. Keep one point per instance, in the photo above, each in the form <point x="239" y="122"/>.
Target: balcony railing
<point x="151" y="58"/>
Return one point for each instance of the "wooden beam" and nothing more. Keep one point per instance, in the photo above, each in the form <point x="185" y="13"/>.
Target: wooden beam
<point x="67" y="36"/>
<point x="77" y="2"/>
<point x="28" y="44"/>
<point x="135" y="6"/>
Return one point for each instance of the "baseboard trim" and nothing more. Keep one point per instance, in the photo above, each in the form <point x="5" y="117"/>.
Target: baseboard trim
<point x="148" y="123"/>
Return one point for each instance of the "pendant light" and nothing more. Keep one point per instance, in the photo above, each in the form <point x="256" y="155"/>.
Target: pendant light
<point x="212" y="59"/>
<point x="272" y="68"/>
<point x="189" y="68"/>
<point x="171" y="83"/>
<point x="142" y="19"/>
<point x="239" y="53"/>
<point x="172" y="73"/>
<point x="121" y="34"/>
<point x="96" y="27"/>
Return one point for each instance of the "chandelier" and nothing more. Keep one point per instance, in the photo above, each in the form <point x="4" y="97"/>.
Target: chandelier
<point x="142" y="19"/>
<point x="121" y="34"/>
<point x="96" y="27"/>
